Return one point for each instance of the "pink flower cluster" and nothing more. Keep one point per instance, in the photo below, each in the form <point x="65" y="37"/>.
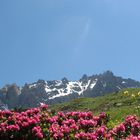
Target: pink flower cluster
<point x="39" y="123"/>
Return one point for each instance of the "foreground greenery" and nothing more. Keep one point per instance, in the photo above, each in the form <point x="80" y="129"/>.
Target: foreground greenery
<point x="41" y="124"/>
<point x="112" y="117"/>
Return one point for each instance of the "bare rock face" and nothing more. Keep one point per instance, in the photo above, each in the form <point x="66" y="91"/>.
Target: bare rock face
<point x="10" y="94"/>
<point x="59" y="91"/>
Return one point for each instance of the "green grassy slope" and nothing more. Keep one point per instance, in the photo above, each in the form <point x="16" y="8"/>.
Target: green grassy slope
<point x="117" y="105"/>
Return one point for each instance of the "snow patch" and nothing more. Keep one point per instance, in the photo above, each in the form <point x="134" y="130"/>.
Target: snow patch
<point x="47" y="89"/>
<point x="104" y="85"/>
<point x="70" y="89"/>
<point x="59" y="95"/>
<point x="123" y="82"/>
<point x="58" y="83"/>
<point x="118" y="87"/>
<point x="33" y="85"/>
<point x="92" y="85"/>
<point x="83" y="88"/>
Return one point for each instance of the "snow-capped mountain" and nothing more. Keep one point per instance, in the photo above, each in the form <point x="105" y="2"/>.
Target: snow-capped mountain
<point x="58" y="91"/>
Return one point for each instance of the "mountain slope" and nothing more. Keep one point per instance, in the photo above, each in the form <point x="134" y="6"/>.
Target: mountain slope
<point x="117" y="104"/>
<point x="59" y="91"/>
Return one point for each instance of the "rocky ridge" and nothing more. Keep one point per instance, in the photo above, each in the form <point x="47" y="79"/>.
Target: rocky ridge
<point x="58" y="91"/>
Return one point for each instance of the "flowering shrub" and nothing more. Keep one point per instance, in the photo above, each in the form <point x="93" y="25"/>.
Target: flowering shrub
<point x="132" y="95"/>
<point x="39" y="123"/>
<point x="135" y="98"/>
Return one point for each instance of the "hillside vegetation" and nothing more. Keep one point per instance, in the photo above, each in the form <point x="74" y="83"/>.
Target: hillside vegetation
<point x="118" y="104"/>
<point x="80" y="120"/>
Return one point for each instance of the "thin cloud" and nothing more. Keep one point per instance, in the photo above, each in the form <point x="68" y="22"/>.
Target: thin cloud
<point x="83" y="36"/>
<point x="86" y="29"/>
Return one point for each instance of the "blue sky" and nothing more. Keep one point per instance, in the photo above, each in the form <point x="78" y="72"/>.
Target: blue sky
<point x="52" y="39"/>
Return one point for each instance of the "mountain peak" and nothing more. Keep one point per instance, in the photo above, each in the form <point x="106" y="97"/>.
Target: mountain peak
<point x="58" y="91"/>
<point x="108" y="73"/>
<point x="65" y="80"/>
<point x="84" y="77"/>
<point x="41" y="81"/>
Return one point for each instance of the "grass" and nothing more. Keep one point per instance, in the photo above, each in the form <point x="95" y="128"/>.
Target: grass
<point x="116" y="104"/>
